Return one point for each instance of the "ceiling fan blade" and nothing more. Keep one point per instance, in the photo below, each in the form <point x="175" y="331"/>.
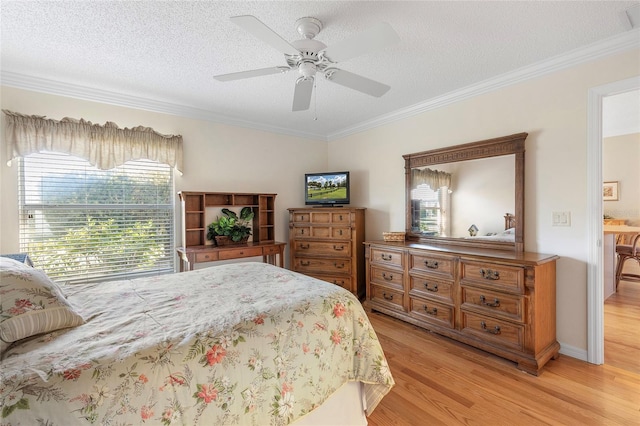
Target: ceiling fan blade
<point x="253" y="73"/>
<point x="356" y="82"/>
<point x="260" y="30"/>
<point x="302" y="94"/>
<point x="375" y="38"/>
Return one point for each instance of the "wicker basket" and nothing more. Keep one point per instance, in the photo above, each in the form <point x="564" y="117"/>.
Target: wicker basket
<point x="393" y="236"/>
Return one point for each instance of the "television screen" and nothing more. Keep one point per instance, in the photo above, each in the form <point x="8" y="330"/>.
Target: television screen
<point x="329" y="188"/>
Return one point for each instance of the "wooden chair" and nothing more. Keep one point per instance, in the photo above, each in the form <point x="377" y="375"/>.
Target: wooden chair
<point x="626" y="252"/>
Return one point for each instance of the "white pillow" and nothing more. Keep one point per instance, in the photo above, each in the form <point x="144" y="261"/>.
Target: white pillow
<point x="30" y="304"/>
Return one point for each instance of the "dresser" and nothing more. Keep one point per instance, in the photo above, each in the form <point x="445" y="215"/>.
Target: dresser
<point x="327" y="243"/>
<point x="502" y="302"/>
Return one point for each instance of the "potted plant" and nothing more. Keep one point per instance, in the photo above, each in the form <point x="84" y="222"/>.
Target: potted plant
<point x="231" y="228"/>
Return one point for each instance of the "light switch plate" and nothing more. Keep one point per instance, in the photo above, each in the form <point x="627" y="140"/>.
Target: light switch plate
<point x="561" y="219"/>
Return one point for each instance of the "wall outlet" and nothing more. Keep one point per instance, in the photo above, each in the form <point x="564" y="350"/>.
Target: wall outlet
<point x="561" y="219"/>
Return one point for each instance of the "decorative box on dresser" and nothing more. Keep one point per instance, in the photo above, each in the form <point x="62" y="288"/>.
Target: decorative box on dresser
<point x="500" y="301"/>
<point x="327" y="243"/>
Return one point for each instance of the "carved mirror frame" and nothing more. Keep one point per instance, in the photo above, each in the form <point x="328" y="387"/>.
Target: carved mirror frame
<point x="506" y="145"/>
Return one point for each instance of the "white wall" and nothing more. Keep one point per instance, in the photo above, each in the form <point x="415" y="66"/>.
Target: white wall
<point x="553" y="110"/>
<point x="621" y="163"/>
<point x="216" y="157"/>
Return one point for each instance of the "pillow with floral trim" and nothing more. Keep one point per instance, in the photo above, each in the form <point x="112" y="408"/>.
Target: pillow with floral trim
<point x="30" y="304"/>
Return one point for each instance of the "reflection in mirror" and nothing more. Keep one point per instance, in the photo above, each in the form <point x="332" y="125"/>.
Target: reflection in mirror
<point x="470" y="194"/>
<point x="467" y="199"/>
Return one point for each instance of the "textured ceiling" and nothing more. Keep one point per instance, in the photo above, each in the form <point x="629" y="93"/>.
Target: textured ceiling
<point x="162" y="54"/>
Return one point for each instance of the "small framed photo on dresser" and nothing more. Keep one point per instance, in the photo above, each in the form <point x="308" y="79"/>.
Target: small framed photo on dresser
<point x="610" y="191"/>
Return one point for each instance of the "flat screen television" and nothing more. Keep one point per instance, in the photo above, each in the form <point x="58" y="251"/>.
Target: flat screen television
<point x="326" y="189"/>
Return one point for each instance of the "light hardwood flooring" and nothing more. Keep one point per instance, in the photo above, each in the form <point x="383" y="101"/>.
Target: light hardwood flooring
<point x="442" y="382"/>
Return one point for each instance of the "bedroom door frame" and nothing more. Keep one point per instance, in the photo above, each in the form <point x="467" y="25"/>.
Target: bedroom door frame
<point x="595" y="273"/>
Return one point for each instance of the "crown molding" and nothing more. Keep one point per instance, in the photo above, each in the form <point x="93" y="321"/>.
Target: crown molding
<point x="53" y="87"/>
<point x="616" y="44"/>
<point x="613" y="45"/>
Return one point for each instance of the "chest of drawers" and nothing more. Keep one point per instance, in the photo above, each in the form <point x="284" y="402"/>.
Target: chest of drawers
<point x="327" y="243"/>
<point x="500" y="302"/>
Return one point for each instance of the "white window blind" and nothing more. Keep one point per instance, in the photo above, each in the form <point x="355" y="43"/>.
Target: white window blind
<point x="82" y="224"/>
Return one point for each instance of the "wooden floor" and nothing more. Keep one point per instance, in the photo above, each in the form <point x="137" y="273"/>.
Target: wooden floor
<point x="442" y="382"/>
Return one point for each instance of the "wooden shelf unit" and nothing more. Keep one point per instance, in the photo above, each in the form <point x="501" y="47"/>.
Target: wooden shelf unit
<point x="194" y="228"/>
<point x="194" y="205"/>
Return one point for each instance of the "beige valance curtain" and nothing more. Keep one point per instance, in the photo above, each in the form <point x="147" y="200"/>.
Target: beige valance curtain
<point x="434" y="178"/>
<point x="104" y="146"/>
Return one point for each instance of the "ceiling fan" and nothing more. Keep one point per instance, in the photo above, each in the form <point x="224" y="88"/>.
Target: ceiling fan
<point x="310" y="56"/>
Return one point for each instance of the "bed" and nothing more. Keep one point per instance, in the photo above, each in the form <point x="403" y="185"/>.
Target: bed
<point x="247" y="343"/>
<point x="508" y="235"/>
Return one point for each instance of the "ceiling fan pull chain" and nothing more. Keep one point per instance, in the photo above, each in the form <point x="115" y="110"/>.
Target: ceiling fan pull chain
<point x="315" y="99"/>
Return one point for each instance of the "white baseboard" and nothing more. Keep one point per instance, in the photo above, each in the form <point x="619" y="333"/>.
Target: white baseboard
<point x="573" y="352"/>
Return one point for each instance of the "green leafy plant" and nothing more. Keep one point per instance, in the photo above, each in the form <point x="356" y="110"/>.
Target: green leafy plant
<point x="231" y="225"/>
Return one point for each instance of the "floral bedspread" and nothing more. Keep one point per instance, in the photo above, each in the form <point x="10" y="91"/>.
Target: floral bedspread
<point x="246" y="343"/>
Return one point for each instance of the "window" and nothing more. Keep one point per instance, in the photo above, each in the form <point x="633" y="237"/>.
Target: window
<point x="81" y="224"/>
<point x="430" y="210"/>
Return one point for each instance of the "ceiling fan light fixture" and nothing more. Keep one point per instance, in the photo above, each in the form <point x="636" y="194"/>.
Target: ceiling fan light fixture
<point x="307" y="69"/>
<point x="308" y="27"/>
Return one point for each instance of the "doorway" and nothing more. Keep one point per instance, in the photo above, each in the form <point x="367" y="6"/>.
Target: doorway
<point x="595" y="278"/>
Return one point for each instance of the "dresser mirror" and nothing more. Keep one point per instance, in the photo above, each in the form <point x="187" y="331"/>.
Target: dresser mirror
<point x="470" y="194"/>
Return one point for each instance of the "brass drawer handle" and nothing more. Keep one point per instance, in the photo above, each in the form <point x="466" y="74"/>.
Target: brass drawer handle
<point x="304" y="246"/>
<point x="433" y="289"/>
<point x="386" y="257"/>
<point x="340" y="266"/>
<point x="390" y="297"/>
<point x="490" y="274"/>
<point x="338" y="248"/>
<point x="496" y="329"/>
<point x="494" y="304"/>
<point x="433" y="311"/>
<point x="340" y="283"/>
<point x="431" y="264"/>
<point x="303" y="263"/>
<point x="387" y="277"/>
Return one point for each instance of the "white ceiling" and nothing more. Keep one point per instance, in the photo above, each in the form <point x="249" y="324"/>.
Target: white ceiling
<point x="161" y="55"/>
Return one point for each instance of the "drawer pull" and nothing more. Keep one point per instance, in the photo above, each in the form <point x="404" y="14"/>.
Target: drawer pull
<point x="340" y="283"/>
<point x="494" y="304"/>
<point x="433" y="289"/>
<point x="302" y="231"/>
<point x="389" y="297"/>
<point x="387" y="277"/>
<point x="433" y="311"/>
<point x="496" y="329"/>
<point x="431" y="264"/>
<point x="490" y="274"/>
<point x="340" y="217"/>
<point x="386" y="257"/>
<point x="338" y="248"/>
<point x="340" y="266"/>
<point x="303" y="263"/>
<point x="340" y="231"/>
<point x="304" y="246"/>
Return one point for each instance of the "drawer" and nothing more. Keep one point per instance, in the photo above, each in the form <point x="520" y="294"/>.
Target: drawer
<point x="432" y="264"/>
<point x="387" y="277"/>
<point x="505" y="305"/>
<point x="240" y="252"/>
<point x="431" y="288"/>
<point x="320" y="248"/>
<point x="387" y="297"/>
<point x="303" y="217"/>
<point x="387" y="257"/>
<point x="320" y="265"/>
<point x="432" y="312"/>
<point x="320" y="217"/>
<point x="271" y="250"/>
<point x="493" y="330"/>
<point x="206" y="257"/>
<point x="344" y="282"/>
<point x="509" y="278"/>
<point x="324" y="232"/>
<point x="343" y="218"/>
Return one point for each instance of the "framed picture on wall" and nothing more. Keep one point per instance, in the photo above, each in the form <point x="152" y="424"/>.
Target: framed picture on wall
<point x="610" y="191"/>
